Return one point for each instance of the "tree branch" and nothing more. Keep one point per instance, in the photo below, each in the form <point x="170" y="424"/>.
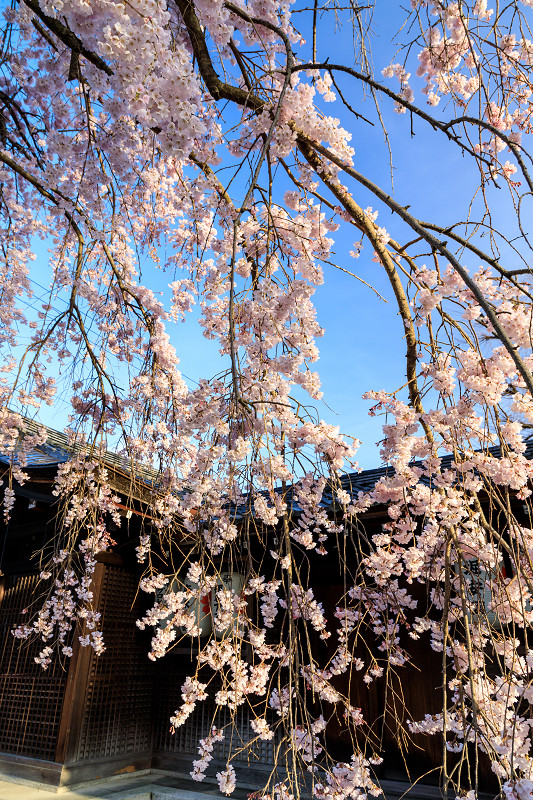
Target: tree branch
<point x="369" y="229"/>
<point x="435" y="244"/>
<point x="219" y="90"/>
<point x="68" y="38"/>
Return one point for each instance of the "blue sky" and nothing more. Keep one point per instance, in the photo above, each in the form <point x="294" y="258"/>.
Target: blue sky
<point x="363" y="347"/>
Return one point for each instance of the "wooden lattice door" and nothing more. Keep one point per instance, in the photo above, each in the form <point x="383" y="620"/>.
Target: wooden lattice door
<point x="30" y="698"/>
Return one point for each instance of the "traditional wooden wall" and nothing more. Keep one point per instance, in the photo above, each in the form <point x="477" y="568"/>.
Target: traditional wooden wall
<point x="30" y="698"/>
<point x="107" y="726"/>
<point x="89" y="713"/>
<point x="178" y="750"/>
<point x="96" y="716"/>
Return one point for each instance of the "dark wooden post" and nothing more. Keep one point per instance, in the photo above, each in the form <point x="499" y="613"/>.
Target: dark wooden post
<point x="76" y="688"/>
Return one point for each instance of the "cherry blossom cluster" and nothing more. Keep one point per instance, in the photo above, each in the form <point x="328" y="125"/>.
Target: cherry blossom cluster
<point x="125" y="132"/>
<point x="205" y="751"/>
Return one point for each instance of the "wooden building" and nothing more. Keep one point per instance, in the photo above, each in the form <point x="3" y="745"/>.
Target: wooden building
<point x="90" y="716"/>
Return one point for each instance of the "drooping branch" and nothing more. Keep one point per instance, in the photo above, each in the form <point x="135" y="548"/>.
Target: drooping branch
<point x="367" y="227"/>
<point x="437" y="245"/>
<point x="252" y="185"/>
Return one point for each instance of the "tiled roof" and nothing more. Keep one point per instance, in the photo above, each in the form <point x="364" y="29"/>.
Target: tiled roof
<point x="57" y="450"/>
<point x="365" y="481"/>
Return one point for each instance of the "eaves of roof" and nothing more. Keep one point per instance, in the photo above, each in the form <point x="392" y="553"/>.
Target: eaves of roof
<point x="57" y="450"/>
<point x="364" y="481"/>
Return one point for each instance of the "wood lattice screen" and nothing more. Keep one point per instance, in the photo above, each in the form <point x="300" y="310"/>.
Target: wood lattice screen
<point x="185" y="740"/>
<point x="118" y="700"/>
<point x="30" y="698"/>
<point x="126" y="699"/>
